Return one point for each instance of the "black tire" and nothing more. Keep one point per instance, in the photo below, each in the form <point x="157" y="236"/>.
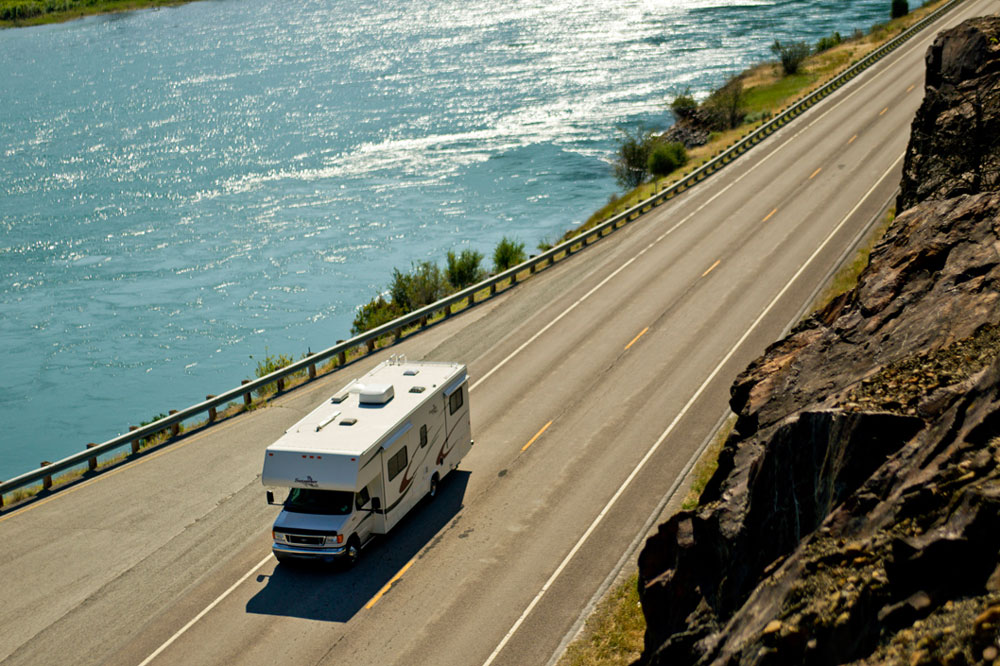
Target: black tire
<point x="353" y="552"/>
<point x="433" y="490"/>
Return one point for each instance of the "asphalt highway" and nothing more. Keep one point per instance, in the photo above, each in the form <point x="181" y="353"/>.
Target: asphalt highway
<point x="594" y="385"/>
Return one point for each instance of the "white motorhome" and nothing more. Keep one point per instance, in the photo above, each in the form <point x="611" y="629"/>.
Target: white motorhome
<point x="360" y="461"/>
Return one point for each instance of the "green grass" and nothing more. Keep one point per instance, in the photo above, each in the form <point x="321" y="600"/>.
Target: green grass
<point x="847" y="277"/>
<point x="20" y="13"/>
<point x="613" y="635"/>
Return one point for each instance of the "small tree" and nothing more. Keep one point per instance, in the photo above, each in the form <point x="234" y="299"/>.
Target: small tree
<point x="726" y="105"/>
<point x="464" y="269"/>
<point x="632" y="164"/>
<point x="508" y="253"/>
<point x="423" y="285"/>
<point x="373" y="314"/>
<point x="791" y="55"/>
<point x="666" y="157"/>
<point x="900" y="8"/>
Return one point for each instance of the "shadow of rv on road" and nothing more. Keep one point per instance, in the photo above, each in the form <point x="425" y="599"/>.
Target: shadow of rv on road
<point x="330" y="594"/>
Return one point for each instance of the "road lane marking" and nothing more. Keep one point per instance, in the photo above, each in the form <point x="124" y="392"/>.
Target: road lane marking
<point x="712" y="267"/>
<point x="537" y="435"/>
<point x="911" y="87"/>
<point x="643" y="331"/>
<point x="681" y="414"/>
<point x="882" y="112"/>
<point x="851" y="140"/>
<point x="770" y="215"/>
<point x="204" y="612"/>
<point x="815" y="173"/>
<point x="385" y="588"/>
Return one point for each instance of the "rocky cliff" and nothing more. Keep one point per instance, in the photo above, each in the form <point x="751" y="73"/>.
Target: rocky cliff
<point x="855" y="514"/>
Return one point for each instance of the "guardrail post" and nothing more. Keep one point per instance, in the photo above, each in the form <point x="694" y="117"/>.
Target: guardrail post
<point x="91" y="462"/>
<point x="1" y="500"/>
<point x="371" y="345"/>
<point x="312" y="368"/>
<point x="46" y="481"/>
<point x="281" y="384"/>
<point x="248" y="396"/>
<point x="423" y="322"/>
<point x="397" y="334"/>
<point x="175" y="429"/>
<point x="212" y="414"/>
<point x="493" y="289"/>
<point x="342" y="356"/>
<point x="135" y="442"/>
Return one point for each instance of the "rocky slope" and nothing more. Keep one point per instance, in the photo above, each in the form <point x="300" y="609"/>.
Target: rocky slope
<point x="855" y="515"/>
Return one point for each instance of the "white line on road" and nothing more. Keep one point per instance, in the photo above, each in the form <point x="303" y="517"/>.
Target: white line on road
<point x="684" y="410"/>
<point x="204" y="612"/>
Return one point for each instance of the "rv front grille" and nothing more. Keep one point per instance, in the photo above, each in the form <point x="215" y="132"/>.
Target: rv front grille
<point x="304" y="540"/>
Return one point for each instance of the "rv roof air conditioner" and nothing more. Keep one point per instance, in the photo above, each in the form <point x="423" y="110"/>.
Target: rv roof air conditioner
<point x="376" y="394"/>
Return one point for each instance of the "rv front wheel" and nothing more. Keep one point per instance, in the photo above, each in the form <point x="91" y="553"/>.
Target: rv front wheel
<point x="353" y="552"/>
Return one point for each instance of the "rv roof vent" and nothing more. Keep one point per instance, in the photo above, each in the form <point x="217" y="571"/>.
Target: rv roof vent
<point x="376" y="394"/>
<point x="417" y="389"/>
<point x="348" y="422"/>
<point x="410" y="372"/>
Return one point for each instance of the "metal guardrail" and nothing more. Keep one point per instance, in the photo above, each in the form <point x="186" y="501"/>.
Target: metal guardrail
<point x="468" y="296"/>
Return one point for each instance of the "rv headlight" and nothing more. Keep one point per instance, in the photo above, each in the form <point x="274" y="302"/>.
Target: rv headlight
<point x="334" y="540"/>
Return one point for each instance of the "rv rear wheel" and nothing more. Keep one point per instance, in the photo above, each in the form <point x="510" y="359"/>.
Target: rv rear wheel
<point x="433" y="490"/>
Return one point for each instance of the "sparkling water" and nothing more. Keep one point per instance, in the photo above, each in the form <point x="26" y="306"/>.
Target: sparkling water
<point x="184" y="191"/>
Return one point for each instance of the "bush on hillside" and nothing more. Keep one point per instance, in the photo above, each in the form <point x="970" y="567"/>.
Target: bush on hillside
<point x="791" y="55"/>
<point x="373" y="314"/>
<point x="666" y="157"/>
<point x="900" y="8"/>
<point x="464" y="269"/>
<point x="826" y="43"/>
<point x="631" y="166"/>
<point x="684" y="106"/>
<point x="423" y="285"/>
<point x="726" y="106"/>
<point x="508" y="253"/>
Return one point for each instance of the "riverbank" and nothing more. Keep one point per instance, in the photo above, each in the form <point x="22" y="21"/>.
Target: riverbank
<point x="24" y="13"/>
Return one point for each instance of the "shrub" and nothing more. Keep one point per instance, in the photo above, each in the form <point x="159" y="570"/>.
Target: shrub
<point x="373" y="314"/>
<point x="666" y="157"/>
<point x="269" y="365"/>
<point x="423" y="285"/>
<point x="790" y="55"/>
<point x="726" y="105"/>
<point x="900" y="8"/>
<point x="464" y="269"/>
<point x="684" y="105"/>
<point x="632" y="164"/>
<point x="508" y="253"/>
<point x="827" y="43"/>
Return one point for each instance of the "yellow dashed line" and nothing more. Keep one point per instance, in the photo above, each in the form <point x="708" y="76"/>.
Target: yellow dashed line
<point x="537" y="435"/>
<point x="815" y="173"/>
<point x="882" y="112"/>
<point x="770" y="215"/>
<point x="911" y="88"/>
<point x="852" y="139"/>
<point x="385" y="588"/>
<point x="719" y="261"/>
<point x="642" y="333"/>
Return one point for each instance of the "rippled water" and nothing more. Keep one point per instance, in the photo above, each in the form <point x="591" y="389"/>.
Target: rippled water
<point x="183" y="190"/>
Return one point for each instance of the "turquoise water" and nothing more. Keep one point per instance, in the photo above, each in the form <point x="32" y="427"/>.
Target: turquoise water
<point x="184" y="190"/>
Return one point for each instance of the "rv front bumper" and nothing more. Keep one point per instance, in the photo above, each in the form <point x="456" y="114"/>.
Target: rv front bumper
<point x="283" y="550"/>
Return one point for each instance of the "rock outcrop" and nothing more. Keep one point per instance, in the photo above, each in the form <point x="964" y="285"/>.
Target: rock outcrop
<point x="855" y="514"/>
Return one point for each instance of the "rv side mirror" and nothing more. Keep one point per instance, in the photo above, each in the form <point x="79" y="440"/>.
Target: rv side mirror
<point x="376" y="504"/>
<point x="270" y="497"/>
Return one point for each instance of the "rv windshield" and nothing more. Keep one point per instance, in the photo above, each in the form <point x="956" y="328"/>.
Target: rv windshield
<point x="327" y="502"/>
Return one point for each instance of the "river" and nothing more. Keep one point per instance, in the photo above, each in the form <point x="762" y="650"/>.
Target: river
<point x="183" y="191"/>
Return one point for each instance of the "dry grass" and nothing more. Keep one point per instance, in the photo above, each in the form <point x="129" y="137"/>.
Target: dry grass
<point x="614" y="633"/>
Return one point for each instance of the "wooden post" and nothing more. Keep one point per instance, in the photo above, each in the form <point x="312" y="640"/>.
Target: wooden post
<point x="212" y="414"/>
<point x="175" y="429"/>
<point x="397" y="334"/>
<point x="281" y="384"/>
<point x="91" y="462"/>
<point x="47" y="481"/>
<point x="423" y="322"/>
<point x="248" y="396"/>
<point x="371" y="345"/>
<point x="135" y="442"/>
<point x="312" y="368"/>
<point x="493" y="289"/>
<point x="342" y="358"/>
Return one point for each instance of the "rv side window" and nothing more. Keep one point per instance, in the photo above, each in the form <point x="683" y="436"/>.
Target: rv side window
<point x="397" y="463"/>
<point x="423" y="435"/>
<point x="362" y="498"/>
<point x="455" y="401"/>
